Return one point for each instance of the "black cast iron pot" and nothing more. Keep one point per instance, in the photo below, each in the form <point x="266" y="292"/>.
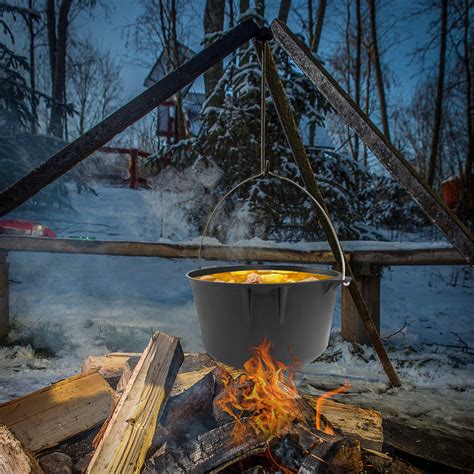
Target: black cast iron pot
<point x="236" y="317"/>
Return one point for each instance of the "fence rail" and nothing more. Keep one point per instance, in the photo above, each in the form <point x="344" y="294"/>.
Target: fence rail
<point x="367" y="265"/>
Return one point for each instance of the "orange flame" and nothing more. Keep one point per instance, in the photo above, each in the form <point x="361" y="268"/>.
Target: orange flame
<point x="266" y="393"/>
<point x="267" y="396"/>
<point x="320" y="402"/>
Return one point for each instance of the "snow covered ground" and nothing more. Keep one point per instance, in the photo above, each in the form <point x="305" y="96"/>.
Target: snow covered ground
<point x="95" y="304"/>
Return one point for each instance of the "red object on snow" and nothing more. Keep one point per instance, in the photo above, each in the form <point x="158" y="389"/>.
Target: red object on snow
<point x="452" y="189"/>
<point x="19" y="227"/>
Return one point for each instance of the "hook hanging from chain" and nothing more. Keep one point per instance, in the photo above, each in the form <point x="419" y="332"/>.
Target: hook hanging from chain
<point x="264" y="163"/>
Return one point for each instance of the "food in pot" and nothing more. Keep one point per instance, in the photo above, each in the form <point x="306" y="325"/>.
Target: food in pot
<point x="263" y="276"/>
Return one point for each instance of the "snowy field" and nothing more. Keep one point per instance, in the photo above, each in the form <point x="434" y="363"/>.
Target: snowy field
<point x="86" y="305"/>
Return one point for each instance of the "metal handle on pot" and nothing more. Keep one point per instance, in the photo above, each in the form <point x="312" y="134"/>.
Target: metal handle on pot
<point x="301" y="188"/>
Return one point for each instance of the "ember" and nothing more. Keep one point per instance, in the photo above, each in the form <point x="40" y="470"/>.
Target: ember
<point x="267" y="396"/>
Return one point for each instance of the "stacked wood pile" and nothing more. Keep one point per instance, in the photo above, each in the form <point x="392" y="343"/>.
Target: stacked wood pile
<point x="156" y="412"/>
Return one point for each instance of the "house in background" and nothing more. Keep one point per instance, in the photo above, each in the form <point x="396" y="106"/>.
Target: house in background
<point x="193" y="98"/>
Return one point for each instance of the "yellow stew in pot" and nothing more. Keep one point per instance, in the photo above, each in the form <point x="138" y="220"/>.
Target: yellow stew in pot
<point x="263" y="276"/>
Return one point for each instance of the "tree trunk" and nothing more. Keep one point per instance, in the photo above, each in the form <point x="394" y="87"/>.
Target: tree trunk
<point x="314" y="40"/>
<point x="358" y="62"/>
<point x="180" y="118"/>
<point x="318" y="26"/>
<point x="284" y="10"/>
<point x="213" y="24"/>
<point x="374" y="49"/>
<point x="52" y="41"/>
<point x="469" y="64"/>
<point x="244" y="5"/>
<point x="34" y="111"/>
<point x="56" y="124"/>
<point x="260" y="9"/>
<point x="434" y="150"/>
<point x="367" y="100"/>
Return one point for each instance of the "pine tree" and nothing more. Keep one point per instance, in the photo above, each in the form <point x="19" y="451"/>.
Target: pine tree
<point x="230" y="139"/>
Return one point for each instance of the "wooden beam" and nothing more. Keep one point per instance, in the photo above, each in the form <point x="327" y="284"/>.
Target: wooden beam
<point x="382" y="257"/>
<point x="428" y="256"/>
<point x="352" y="327"/>
<point x="44" y="418"/>
<point x="15" y="458"/>
<point x="383" y="149"/>
<point x="287" y="120"/>
<point x="4" y="296"/>
<point x="151" y="249"/>
<point x="130" y="431"/>
<point x="99" y="135"/>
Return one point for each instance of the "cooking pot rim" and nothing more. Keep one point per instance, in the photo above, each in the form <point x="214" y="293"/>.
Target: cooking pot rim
<point x="337" y="276"/>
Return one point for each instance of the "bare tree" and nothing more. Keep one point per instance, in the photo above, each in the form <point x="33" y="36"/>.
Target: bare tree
<point x="58" y="39"/>
<point x="95" y="84"/>
<point x="358" y="66"/>
<point x="434" y="150"/>
<point x="379" y="78"/>
<point x="468" y="60"/>
<point x="32" y="57"/>
<point x="284" y="10"/>
<point x="213" y="25"/>
<point x="314" y="39"/>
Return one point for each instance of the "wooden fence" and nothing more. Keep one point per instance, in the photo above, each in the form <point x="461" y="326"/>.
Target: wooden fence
<point x="367" y="264"/>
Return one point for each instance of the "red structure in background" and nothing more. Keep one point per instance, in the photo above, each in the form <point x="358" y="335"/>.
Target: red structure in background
<point x="452" y="191"/>
<point x="134" y="179"/>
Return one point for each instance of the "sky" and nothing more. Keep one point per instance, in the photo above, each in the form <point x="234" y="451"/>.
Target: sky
<point x="110" y="31"/>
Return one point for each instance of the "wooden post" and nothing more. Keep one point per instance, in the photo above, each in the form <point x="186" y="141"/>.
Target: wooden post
<point x="352" y="328"/>
<point x="133" y="169"/>
<point x="4" y="298"/>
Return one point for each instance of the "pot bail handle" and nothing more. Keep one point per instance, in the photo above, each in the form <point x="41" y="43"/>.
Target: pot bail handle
<point x="345" y="281"/>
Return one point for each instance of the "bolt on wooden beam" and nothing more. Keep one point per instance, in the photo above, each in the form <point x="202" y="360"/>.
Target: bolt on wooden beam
<point x="285" y="114"/>
<point x="382" y="148"/>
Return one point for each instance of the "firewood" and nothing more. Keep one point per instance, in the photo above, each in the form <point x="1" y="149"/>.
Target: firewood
<point x="363" y="424"/>
<point x="129" y="433"/>
<point x="44" y="418"/>
<point x="56" y="463"/>
<point x="128" y="368"/>
<point x="190" y="413"/>
<point x="14" y="457"/>
<point x="110" y="366"/>
<point x="208" y="451"/>
<point x="340" y="456"/>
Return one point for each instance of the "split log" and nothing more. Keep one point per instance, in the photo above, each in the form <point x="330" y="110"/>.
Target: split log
<point x="14" y="457"/>
<point x="341" y="455"/>
<point x="128" y="369"/>
<point x="217" y="451"/>
<point x="110" y="366"/>
<point x="129" y="433"/>
<point x="44" y="418"/>
<point x="363" y="424"/>
<point x="208" y="451"/>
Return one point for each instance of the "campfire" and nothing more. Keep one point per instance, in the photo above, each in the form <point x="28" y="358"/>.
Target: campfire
<point x="163" y="411"/>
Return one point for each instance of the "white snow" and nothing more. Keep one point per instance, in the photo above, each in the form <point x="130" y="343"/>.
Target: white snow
<point x="427" y="312"/>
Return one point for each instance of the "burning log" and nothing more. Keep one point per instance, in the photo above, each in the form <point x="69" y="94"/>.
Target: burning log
<point x="209" y="450"/>
<point x="129" y="433"/>
<point x="299" y="450"/>
<point x="44" y="418"/>
<point x="14" y="457"/>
